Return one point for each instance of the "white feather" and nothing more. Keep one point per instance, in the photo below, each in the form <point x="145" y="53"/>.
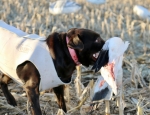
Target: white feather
<point x="109" y="80"/>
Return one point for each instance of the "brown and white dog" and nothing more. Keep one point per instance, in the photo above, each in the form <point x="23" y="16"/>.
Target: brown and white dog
<point x="85" y="44"/>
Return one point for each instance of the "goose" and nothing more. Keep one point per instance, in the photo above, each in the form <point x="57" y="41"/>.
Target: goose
<point x="109" y="64"/>
<point x="63" y="7"/>
<point x="142" y="12"/>
<point x="97" y="1"/>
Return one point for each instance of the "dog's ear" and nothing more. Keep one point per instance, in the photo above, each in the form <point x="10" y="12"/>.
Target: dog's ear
<point x="75" y="43"/>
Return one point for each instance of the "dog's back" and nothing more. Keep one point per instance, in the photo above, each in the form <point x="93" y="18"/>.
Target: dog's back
<point x="15" y="49"/>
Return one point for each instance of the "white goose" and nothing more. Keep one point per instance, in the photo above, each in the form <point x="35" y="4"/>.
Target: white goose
<point x="97" y="1"/>
<point x="109" y="62"/>
<point x="63" y="6"/>
<point x="142" y="12"/>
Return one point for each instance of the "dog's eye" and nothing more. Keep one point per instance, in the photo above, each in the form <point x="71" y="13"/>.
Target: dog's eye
<point x="97" y="40"/>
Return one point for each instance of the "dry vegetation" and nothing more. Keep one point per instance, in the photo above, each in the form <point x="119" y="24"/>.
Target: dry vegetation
<point x="114" y="18"/>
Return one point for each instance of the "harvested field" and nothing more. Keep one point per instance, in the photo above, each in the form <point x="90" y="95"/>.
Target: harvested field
<point x="115" y="18"/>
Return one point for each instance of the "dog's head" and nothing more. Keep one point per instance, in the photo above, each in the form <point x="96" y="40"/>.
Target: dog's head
<point x="87" y="44"/>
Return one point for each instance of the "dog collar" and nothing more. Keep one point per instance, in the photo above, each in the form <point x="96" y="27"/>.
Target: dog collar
<point x="73" y="53"/>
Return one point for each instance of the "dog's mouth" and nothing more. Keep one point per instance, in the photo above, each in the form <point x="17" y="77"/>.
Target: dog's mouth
<point x="95" y="55"/>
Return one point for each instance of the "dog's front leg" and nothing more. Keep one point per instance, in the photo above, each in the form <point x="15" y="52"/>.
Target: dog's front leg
<point x="59" y="91"/>
<point x="28" y="73"/>
<point x="32" y="91"/>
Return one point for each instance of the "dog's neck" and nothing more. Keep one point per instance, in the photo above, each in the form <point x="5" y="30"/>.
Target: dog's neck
<point x="73" y="53"/>
<point x="62" y="59"/>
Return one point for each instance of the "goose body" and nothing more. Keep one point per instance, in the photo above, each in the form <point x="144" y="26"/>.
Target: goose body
<point x="63" y="7"/>
<point x="97" y="1"/>
<point x="142" y="12"/>
<point x="109" y="62"/>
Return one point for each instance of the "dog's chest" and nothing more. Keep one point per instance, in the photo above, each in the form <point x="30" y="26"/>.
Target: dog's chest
<point x="15" y="50"/>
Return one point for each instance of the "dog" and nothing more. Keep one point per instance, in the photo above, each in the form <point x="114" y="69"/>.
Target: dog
<point x="84" y="42"/>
